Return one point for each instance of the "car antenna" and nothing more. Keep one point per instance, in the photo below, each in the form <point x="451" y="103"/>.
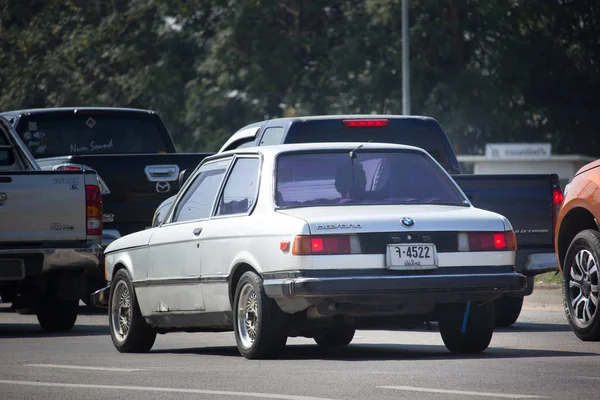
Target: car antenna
<point x="352" y="153"/>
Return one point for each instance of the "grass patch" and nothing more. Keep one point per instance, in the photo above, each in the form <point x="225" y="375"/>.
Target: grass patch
<point x="549" y="278"/>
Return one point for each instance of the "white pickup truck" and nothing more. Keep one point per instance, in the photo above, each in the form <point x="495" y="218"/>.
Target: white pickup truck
<point x="50" y="234"/>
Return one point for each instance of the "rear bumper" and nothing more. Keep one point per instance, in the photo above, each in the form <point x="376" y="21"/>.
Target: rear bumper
<point x="439" y="287"/>
<point x="539" y="263"/>
<point x="17" y="264"/>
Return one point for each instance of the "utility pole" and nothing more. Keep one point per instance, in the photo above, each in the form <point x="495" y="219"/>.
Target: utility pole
<point x="405" y="63"/>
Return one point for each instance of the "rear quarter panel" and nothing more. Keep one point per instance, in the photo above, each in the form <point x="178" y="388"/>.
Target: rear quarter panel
<point x="583" y="193"/>
<point x="131" y="252"/>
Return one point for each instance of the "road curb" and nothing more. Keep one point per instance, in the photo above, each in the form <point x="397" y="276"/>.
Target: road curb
<point x="548" y="296"/>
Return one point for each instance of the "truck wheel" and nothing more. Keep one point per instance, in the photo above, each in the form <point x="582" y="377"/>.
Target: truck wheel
<point x="479" y="328"/>
<point x="260" y="325"/>
<point x="580" y="285"/>
<point x="128" y="329"/>
<point x="508" y="310"/>
<point x="339" y="335"/>
<point x="56" y="315"/>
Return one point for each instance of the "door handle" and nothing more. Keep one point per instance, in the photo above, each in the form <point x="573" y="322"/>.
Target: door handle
<point x="197" y="231"/>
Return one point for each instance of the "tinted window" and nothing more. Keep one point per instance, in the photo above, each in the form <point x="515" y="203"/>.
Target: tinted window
<point x="373" y="177"/>
<point x="200" y="196"/>
<point x="6" y="154"/>
<point x="272" y="136"/>
<point x="240" y="192"/>
<point x="426" y="134"/>
<point x="62" y="134"/>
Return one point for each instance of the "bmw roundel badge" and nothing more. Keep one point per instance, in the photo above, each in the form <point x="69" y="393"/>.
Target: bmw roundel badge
<point x="407" y="222"/>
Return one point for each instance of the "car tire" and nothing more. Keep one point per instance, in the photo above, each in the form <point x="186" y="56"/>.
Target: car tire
<point x="57" y="315"/>
<point x="129" y="330"/>
<point x="479" y="327"/>
<point x="508" y="309"/>
<point x="261" y="328"/>
<point x="336" y="336"/>
<point x="580" y="285"/>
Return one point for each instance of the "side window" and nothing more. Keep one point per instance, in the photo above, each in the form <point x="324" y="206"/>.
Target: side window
<point x="272" y="136"/>
<point x="199" y="198"/>
<point x="240" y="191"/>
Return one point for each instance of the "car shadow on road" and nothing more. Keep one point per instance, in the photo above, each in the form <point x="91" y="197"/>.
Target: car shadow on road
<point x="377" y="352"/>
<point x="16" y="329"/>
<point x="535" y="327"/>
<point x="26" y="330"/>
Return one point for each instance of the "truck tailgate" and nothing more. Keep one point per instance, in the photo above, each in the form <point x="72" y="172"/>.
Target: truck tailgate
<point x="137" y="186"/>
<point x="42" y="206"/>
<point x="526" y="200"/>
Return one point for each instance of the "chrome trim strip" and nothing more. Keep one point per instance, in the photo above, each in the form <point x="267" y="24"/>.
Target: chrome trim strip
<point x="182" y="281"/>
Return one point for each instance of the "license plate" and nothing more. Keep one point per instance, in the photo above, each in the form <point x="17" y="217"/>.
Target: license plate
<point x="411" y="256"/>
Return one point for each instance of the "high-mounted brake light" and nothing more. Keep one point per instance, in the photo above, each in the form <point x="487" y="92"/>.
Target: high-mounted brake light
<point x="93" y="207"/>
<point x="325" y="244"/>
<point x="366" y="123"/>
<point x="68" y="168"/>
<point x="487" y="241"/>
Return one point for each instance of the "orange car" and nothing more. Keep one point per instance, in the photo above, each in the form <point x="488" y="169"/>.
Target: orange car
<point x="577" y="245"/>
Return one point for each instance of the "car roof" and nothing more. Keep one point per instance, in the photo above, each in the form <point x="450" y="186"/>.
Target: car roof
<point x="274" y="150"/>
<point x="73" y="109"/>
<point x="251" y="130"/>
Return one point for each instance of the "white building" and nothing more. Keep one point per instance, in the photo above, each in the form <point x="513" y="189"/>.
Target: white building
<point x="525" y="158"/>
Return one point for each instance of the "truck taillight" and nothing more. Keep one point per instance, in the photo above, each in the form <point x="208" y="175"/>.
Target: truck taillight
<point x="93" y="206"/>
<point x="326" y="244"/>
<point x="557" y="199"/>
<point x="487" y="241"/>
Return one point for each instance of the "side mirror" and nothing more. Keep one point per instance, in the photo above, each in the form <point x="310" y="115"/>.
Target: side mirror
<point x="184" y="176"/>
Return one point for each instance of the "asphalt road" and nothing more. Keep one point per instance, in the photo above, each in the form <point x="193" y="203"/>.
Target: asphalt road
<point x="539" y="357"/>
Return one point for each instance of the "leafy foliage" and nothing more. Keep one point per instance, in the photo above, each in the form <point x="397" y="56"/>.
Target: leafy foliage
<point x="488" y="71"/>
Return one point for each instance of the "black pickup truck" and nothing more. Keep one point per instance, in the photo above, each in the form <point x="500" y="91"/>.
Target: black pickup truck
<point x="530" y="202"/>
<point x="137" y="163"/>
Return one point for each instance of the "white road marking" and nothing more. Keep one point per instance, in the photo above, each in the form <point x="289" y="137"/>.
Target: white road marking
<point x="86" y="368"/>
<point x="162" y="389"/>
<point x="595" y="378"/>
<point x="460" y="392"/>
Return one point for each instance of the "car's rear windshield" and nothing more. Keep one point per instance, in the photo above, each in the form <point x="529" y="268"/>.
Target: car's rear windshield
<point x="424" y="133"/>
<point x="48" y="135"/>
<point x="372" y="177"/>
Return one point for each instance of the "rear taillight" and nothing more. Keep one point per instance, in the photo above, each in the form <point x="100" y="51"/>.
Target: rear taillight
<point x="487" y="241"/>
<point x="366" y="123"/>
<point x="326" y="244"/>
<point x="93" y="206"/>
<point x="557" y="200"/>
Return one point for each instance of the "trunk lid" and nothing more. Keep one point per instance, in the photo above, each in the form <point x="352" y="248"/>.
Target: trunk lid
<point x="386" y="218"/>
